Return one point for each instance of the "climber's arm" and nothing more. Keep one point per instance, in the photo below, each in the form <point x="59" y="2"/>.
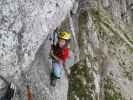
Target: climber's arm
<point x="55" y="57"/>
<point x="66" y="69"/>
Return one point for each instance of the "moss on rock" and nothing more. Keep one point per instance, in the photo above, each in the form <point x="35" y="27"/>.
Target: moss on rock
<point x="81" y="83"/>
<point x="111" y="92"/>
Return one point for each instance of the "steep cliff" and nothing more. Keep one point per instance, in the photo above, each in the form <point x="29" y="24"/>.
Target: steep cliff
<point x="24" y="45"/>
<point x="101" y="48"/>
<point x="105" y="39"/>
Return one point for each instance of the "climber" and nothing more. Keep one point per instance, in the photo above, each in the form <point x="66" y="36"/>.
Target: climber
<point x="10" y="91"/>
<point x="28" y="92"/>
<point x="59" y="54"/>
<point x="7" y="89"/>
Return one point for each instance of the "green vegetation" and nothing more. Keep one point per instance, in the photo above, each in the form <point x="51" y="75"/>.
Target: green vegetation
<point x="111" y="91"/>
<point x="81" y="83"/>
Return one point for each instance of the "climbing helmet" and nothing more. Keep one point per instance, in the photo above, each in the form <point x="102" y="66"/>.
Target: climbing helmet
<point x="64" y="35"/>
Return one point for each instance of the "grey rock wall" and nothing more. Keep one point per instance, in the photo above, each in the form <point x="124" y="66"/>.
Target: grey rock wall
<point x="101" y="48"/>
<point x="24" y="44"/>
<point x="24" y="26"/>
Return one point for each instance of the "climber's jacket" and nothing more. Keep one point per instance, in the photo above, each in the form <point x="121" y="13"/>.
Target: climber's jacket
<point x="61" y="53"/>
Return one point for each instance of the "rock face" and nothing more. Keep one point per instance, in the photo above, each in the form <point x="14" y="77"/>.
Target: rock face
<point x="24" y="26"/>
<point x="101" y="48"/>
<point x="105" y="40"/>
<point x="24" y="29"/>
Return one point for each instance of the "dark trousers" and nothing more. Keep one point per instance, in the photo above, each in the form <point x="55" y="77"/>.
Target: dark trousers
<point x="4" y="98"/>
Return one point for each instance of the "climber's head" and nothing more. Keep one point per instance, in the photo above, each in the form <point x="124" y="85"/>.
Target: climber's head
<point x="63" y="38"/>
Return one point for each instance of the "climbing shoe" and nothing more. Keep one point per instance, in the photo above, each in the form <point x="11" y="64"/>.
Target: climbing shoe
<point x="53" y="80"/>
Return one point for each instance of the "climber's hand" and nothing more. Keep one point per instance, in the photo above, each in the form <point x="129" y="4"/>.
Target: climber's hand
<point x="50" y="54"/>
<point x="67" y="74"/>
<point x="55" y="57"/>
